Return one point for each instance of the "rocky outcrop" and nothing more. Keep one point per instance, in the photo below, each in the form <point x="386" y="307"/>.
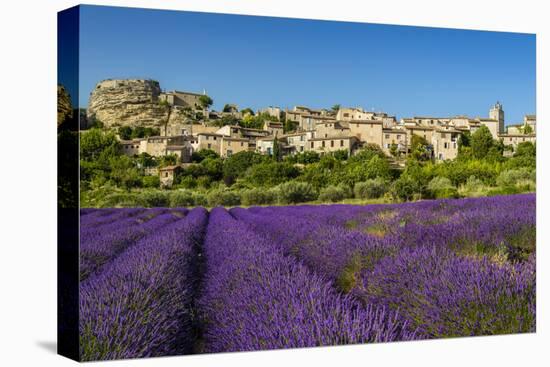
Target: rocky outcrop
<point x="127" y="102"/>
<point x="64" y="106"/>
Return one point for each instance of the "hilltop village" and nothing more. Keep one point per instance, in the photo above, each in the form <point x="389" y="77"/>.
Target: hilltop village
<point x="186" y="125"/>
<point x="137" y="141"/>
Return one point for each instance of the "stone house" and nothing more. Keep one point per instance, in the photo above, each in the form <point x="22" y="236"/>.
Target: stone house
<point x="230" y="146"/>
<point x="206" y="140"/>
<point x="514" y="139"/>
<point x="332" y="144"/>
<point x="297" y="142"/>
<point x="369" y="131"/>
<point x="274" y="128"/>
<point x="182" y="99"/>
<point x="331" y="128"/>
<point x="130" y="147"/>
<point x="397" y="136"/>
<point x="445" y="143"/>
<point x="272" y="111"/>
<point x="356" y="114"/>
<point x="167" y="175"/>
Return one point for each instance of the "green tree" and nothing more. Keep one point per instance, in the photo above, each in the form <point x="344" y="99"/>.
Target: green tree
<point x="481" y="142"/>
<point x="290" y="126"/>
<point x="125" y="132"/>
<point x="236" y="165"/>
<point x="124" y="172"/>
<point x="526" y="148"/>
<point x="420" y="148"/>
<point x="205" y="101"/>
<point x="94" y="141"/>
<point x="394" y="150"/>
<point x="271" y="173"/>
<point x="146" y="160"/>
<point x="202" y="154"/>
<point x="276" y="150"/>
<point x="336" y="108"/>
<point x="248" y="111"/>
<point x="527" y="129"/>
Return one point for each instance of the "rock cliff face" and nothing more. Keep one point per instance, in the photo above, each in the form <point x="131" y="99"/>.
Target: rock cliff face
<point x="128" y="102"/>
<point x="64" y="107"/>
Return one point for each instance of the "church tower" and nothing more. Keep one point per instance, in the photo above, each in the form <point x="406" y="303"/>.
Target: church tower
<point x="497" y="113"/>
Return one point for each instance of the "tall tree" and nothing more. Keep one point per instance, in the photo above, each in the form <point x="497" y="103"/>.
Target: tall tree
<point x="481" y="142"/>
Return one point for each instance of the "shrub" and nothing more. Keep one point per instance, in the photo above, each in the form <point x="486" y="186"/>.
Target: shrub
<point x="334" y="193"/>
<point x="258" y="197"/>
<point x="223" y="197"/>
<point x="441" y="187"/>
<point x="181" y="198"/>
<point x="151" y="182"/>
<point x="188" y="182"/>
<point x="271" y="173"/>
<point x="406" y="188"/>
<point x="370" y="189"/>
<point x="295" y="192"/>
<point x="472" y="187"/>
<point x="123" y="200"/>
<point x="513" y="177"/>
<point x="156" y="198"/>
<point x="199" y="199"/>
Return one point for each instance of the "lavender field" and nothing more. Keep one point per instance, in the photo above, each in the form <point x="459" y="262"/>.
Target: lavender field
<point x="158" y="282"/>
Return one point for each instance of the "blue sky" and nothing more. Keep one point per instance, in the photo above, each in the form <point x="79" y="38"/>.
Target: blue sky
<point x="261" y="61"/>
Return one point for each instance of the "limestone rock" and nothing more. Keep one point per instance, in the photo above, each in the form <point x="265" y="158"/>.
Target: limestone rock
<point x="127" y="102"/>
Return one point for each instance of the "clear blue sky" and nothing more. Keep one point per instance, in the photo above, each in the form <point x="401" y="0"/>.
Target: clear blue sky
<point x="260" y="61"/>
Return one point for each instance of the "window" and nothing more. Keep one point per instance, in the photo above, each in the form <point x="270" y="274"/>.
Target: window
<point x="242" y="144"/>
<point x="341" y="143"/>
<point x="301" y="149"/>
<point x="356" y="125"/>
<point x="332" y="143"/>
<point x="445" y="145"/>
<point x="454" y="145"/>
<point x="443" y="136"/>
<point x="323" y="144"/>
<point x="346" y="114"/>
<point x="229" y="143"/>
<point x="209" y="146"/>
<point x="312" y="144"/>
<point x="214" y="138"/>
<point x="229" y="152"/>
<point x="387" y="136"/>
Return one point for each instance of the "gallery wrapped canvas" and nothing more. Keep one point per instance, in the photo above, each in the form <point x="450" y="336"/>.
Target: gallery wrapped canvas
<point x="233" y="183"/>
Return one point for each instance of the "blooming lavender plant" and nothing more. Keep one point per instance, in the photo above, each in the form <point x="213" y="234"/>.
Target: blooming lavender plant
<point x="256" y="298"/>
<point x="141" y="304"/>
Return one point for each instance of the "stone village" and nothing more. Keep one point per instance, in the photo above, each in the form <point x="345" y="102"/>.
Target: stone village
<point x="142" y="103"/>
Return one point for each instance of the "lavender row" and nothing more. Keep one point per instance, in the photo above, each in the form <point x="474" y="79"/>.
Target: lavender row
<point x="94" y="220"/>
<point x="352" y="258"/>
<point x="255" y="298"/>
<point x="141" y="304"/>
<point x="98" y="245"/>
<point x="443" y="295"/>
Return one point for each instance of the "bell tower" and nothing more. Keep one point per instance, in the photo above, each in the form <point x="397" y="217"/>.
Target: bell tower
<point x="497" y="113"/>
